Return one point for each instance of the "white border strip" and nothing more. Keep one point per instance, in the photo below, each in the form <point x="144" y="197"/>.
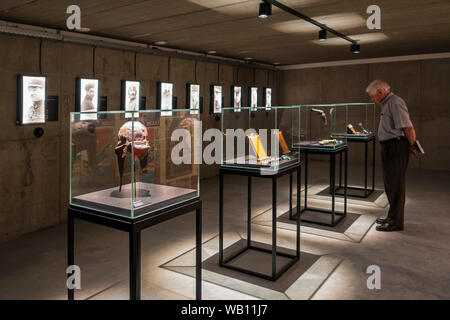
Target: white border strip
<point x="443" y="55"/>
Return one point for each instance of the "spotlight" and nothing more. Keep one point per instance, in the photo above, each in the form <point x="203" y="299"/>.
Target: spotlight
<point x="355" y="48"/>
<point x="323" y="35"/>
<point x="265" y="9"/>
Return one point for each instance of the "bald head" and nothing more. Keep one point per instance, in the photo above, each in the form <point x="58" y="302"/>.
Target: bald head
<point x="378" y="90"/>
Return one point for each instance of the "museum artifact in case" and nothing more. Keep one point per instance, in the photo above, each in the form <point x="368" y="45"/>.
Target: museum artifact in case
<point x="133" y="166"/>
<point x="260" y="139"/>
<point x="360" y="120"/>
<point x="322" y="127"/>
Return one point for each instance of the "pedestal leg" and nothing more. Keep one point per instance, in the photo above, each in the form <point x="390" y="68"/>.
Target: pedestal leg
<point x="306" y="181"/>
<point x="365" y="169"/>
<point x="135" y="265"/>
<point x="198" y="254"/>
<point x="373" y="165"/>
<point x="333" y="192"/>
<point x="221" y="219"/>
<point x="249" y="211"/>
<point x="297" y="216"/>
<point x="345" y="183"/>
<point x="70" y="252"/>
<point x="274" y="227"/>
<point x="290" y="195"/>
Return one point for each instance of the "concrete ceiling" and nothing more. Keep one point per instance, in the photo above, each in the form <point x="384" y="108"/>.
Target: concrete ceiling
<point x="232" y="28"/>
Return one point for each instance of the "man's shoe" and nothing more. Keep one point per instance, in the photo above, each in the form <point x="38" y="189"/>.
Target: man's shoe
<point x="382" y="220"/>
<point x="388" y="228"/>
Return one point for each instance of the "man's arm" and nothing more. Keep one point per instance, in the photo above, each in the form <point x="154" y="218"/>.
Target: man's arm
<point x="410" y="134"/>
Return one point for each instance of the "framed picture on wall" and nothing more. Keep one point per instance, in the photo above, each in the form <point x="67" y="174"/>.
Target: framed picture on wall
<point x="130" y="97"/>
<point x="253" y="97"/>
<point x="236" y="98"/>
<point x="87" y="97"/>
<point x="216" y="99"/>
<point x="31" y="99"/>
<point x="165" y="98"/>
<point x="267" y="98"/>
<point x="193" y="97"/>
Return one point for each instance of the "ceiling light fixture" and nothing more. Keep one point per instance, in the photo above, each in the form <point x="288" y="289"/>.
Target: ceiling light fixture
<point x="323" y="35"/>
<point x="211" y="52"/>
<point x="265" y="9"/>
<point x="160" y="43"/>
<point x="355" y="46"/>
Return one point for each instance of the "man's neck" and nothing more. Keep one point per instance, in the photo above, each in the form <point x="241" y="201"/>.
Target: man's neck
<point x="387" y="95"/>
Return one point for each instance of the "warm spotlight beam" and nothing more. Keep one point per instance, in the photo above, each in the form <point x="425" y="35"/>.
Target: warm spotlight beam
<point x="310" y="20"/>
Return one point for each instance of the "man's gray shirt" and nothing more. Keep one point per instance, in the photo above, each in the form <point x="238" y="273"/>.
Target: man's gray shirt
<point x="394" y="117"/>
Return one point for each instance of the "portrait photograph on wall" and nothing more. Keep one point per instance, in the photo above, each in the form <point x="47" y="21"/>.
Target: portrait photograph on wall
<point x="31" y="99"/>
<point x="165" y="97"/>
<point x="216" y="99"/>
<point x="131" y="92"/>
<point x="267" y="96"/>
<point x="236" y="94"/>
<point x="193" y="97"/>
<point x="87" y="97"/>
<point x="253" y="94"/>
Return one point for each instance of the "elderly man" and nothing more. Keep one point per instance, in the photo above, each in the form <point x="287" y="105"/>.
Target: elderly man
<point x="397" y="137"/>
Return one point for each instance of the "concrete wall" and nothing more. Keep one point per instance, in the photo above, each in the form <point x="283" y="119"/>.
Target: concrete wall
<point x="424" y="85"/>
<point x="34" y="173"/>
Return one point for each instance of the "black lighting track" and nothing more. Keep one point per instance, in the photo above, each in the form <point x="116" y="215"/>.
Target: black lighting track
<point x="310" y="20"/>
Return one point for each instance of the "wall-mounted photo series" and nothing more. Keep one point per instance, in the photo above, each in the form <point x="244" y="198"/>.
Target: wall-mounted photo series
<point x="193" y="97"/>
<point x="31" y="99"/>
<point x="216" y="99"/>
<point x="267" y="98"/>
<point x="165" y="98"/>
<point x="253" y="97"/>
<point x="130" y="97"/>
<point x="236" y="98"/>
<point x="87" y="97"/>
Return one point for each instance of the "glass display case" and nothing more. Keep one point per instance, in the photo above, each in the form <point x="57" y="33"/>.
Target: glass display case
<point x="133" y="163"/>
<point x="261" y="138"/>
<point x="360" y="121"/>
<point x="322" y="127"/>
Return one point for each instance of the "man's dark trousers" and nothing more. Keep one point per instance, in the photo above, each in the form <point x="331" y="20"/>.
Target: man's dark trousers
<point x="395" y="157"/>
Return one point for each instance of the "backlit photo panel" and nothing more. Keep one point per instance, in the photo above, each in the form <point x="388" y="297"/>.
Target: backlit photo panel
<point x="132" y="98"/>
<point x="194" y="98"/>
<point x="253" y="98"/>
<point x="32" y="99"/>
<point x="165" y="97"/>
<point x="88" y="97"/>
<point x="237" y="98"/>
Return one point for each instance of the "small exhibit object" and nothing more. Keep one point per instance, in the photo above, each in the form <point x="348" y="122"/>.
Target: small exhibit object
<point x="418" y="147"/>
<point x="132" y="134"/>
<point x="193" y="97"/>
<point x="283" y="144"/>
<point x="31" y="100"/>
<point x="131" y="92"/>
<point x="165" y="98"/>
<point x="236" y="94"/>
<point x="331" y="141"/>
<point x="322" y="113"/>
<point x="87" y="97"/>
<point x="257" y="146"/>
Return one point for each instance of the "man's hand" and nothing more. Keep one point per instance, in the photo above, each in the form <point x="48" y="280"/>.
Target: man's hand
<point x="414" y="150"/>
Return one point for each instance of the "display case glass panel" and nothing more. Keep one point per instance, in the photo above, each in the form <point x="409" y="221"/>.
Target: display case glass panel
<point x="360" y="121"/>
<point x="133" y="166"/>
<point x="322" y="127"/>
<point x="260" y="139"/>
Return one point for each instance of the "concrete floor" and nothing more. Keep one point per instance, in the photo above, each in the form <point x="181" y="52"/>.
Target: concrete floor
<point x="414" y="264"/>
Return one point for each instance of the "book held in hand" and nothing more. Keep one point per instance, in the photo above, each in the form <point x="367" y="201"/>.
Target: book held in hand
<point x="418" y="147"/>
